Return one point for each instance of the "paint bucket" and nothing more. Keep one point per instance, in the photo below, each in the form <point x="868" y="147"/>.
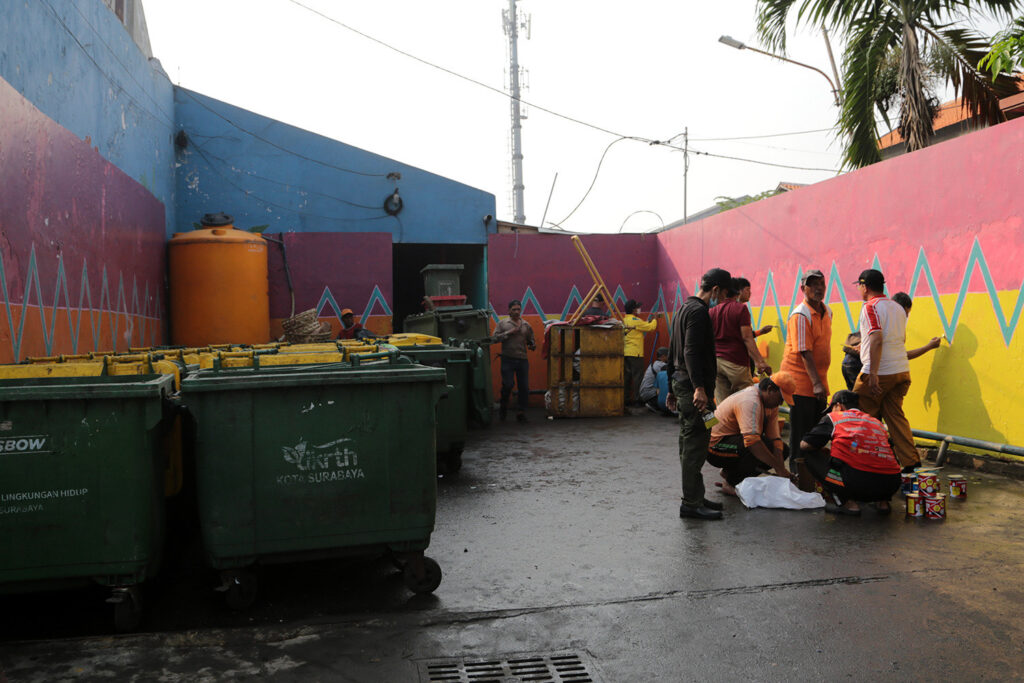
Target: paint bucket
<point x="957" y="486"/>
<point x="928" y="483"/>
<point x="915" y="507"/>
<point x="909" y="483"/>
<point x="935" y="506"/>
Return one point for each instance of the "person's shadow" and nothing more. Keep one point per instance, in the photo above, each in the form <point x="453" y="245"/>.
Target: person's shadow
<point x="954" y="385"/>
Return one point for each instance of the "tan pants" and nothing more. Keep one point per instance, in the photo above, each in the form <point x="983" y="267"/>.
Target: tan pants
<point x="730" y="379"/>
<point x="888" y="406"/>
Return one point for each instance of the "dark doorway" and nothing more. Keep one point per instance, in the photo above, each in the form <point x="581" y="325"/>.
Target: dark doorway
<point x="407" y="282"/>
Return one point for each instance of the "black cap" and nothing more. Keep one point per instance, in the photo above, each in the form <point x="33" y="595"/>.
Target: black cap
<point x="216" y="220"/>
<point x="814" y="272"/>
<point x="716" y="277"/>
<point x="872" y="279"/>
<point x="844" y="396"/>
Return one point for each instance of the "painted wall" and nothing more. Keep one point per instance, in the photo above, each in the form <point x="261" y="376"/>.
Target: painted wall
<point x="264" y="172"/>
<point x="547" y="274"/>
<point x="76" y="63"/>
<point x="945" y="224"/>
<point x="81" y="243"/>
<point x="330" y="272"/>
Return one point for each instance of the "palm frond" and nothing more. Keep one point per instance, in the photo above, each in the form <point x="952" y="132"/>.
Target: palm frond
<point x="979" y="96"/>
<point x="869" y="42"/>
<point x="771" y="23"/>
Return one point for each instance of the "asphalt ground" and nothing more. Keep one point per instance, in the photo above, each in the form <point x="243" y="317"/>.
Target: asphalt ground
<point x="562" y="539"/>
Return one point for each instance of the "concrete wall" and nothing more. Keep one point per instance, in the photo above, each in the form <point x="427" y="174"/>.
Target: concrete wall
<point x="945" y="224"/>
<point x="264" y="172"/>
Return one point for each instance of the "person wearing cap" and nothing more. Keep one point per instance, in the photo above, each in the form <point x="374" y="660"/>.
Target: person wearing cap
<point x="633" y="350"/>
<point x="350" y="329"/>
<point x="735" y="347"/>
<point x="746" y="441"/>
<point x="691" y="371"/>
<point x="860" y="465"/>
<point x="516" y="337"/>
<point x="807" y="356"/>
<point x="885" y="377"/>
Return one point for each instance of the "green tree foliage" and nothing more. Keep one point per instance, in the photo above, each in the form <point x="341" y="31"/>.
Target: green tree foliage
<point x="922" y="35"/>
<point x="1007" y="53"/>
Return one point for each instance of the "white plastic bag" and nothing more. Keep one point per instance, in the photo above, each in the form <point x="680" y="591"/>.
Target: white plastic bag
<point x="776" y="492"/>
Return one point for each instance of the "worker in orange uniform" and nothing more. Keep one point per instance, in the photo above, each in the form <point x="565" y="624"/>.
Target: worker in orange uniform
<point x="350" y="329"/>
<point x="807" y="356"/>
<point x="633" y="350"/>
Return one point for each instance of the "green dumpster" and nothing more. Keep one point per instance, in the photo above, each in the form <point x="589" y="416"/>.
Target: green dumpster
<point x="305" y="462"/>
<point x="82" y="484"/>
<point x="455" y="322"/>
<point x="452" y="410"/>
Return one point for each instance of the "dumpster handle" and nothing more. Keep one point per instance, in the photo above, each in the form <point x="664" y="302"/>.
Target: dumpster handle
<point x="356" y="358"/>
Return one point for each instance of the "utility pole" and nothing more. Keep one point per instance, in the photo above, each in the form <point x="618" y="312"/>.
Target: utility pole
<point x="512" y="25"/>
<point x="686" y="169"/>
<point x="835" y="71"/>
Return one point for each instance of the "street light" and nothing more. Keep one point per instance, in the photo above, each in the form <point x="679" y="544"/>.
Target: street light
<point x="732" y="42"/>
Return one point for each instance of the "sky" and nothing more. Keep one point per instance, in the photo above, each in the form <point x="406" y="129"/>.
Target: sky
<point x="648" y="69"/>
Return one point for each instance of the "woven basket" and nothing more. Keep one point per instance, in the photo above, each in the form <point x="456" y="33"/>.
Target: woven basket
<point x="301" y="322"/>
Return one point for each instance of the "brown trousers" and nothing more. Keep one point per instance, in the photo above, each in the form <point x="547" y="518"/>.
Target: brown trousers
<point x="888" y="406"/>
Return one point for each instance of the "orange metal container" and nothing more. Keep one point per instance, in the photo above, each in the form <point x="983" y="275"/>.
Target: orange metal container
<point x="218" y="287"/>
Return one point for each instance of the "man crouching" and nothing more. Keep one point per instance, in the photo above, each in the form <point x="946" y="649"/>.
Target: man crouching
<point x="746" y="441"/>
<point x="860" y="466"/>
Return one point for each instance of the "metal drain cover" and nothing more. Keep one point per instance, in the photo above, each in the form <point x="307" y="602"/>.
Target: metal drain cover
<point x="552" y="667"/>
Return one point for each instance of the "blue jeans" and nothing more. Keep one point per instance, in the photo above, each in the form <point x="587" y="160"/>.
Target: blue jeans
<point x="518" y="370"/>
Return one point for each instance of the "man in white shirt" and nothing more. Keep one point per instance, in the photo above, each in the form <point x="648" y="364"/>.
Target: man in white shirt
<point x="885" y="377"/>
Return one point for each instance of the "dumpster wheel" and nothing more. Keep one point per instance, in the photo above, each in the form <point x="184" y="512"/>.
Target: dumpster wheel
<point x="127" y="609"/>
<point x="239" y="588"/>
<point x="421" y="575"/>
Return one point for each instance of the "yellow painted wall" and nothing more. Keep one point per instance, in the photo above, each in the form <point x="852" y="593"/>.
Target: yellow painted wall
<point x="972" y="387"/>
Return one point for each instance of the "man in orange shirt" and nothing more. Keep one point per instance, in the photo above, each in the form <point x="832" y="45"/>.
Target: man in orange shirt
<point x="746" y="440"/>
<point x="807" y="356"/>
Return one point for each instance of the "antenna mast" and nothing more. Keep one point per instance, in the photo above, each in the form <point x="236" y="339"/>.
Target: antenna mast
<point x="512" y="25"/>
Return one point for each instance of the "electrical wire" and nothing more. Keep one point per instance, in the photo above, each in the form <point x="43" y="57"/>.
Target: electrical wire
<point x="283" y="184"/>
<point x="592" y="182"/>
<point x="274" y="144"/>
<point x="758" y="137"/>
<point x="99" y="68"/>
<point x="763" y="163"/>
<point x="458" y="75"/>
<point x="253" y="195"/>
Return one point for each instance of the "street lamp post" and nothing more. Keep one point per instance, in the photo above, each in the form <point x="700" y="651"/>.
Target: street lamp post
<point x="732" y="42"/>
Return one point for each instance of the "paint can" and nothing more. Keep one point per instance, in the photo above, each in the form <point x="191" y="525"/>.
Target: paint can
<point x="957" y="486"/>
<point x="928" y="483"/>
<point x="915" y="507"/>
<point x="909" y="483"/>
<point x="935" y="506"/>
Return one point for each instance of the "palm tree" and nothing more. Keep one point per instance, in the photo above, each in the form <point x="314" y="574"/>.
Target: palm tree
<point x="874" y="30"/>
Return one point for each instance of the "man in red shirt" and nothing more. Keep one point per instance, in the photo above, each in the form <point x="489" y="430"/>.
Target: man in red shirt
<point x="734" y="345"/>
<point x="807" y="356"/>
<point x="350" y="329"/>
<point x="860" y="466"/>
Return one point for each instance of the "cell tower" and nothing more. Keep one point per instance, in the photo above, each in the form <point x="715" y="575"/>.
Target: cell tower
<point x="513" y="23"/>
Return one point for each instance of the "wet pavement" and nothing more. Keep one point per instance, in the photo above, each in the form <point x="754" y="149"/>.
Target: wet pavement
<point x="562" y="539"/>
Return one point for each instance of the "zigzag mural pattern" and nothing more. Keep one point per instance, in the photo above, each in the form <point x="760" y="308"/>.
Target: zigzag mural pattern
<point x="149" y="314"/>
<point x="975" y="260"/>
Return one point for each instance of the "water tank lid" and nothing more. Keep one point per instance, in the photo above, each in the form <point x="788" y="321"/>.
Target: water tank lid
<point x="215" y="220"/>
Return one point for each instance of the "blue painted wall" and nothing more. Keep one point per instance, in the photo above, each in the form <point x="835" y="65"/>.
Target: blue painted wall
<point x="264" y="172"/>
<point x="77" y="64"/>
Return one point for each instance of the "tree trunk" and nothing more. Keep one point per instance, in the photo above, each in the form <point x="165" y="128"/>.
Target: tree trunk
<point x="915" y="115"/>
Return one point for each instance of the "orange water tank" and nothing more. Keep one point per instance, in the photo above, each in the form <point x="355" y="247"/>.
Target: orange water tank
<point x="218" y="285"/>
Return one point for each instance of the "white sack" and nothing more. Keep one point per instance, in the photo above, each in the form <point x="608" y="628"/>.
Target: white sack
<point x="776" y="492"/>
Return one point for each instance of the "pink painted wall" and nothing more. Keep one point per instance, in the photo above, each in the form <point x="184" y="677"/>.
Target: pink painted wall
<point x="82" y="243"/>
<point x="940" y="199"/>
<point x="333" y="271"/>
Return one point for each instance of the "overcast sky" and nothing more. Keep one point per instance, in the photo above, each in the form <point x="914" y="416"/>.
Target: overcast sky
<point x="647" y="68"/>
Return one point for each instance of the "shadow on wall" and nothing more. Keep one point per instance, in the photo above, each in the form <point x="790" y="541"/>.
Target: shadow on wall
<point x="954" y="384"/>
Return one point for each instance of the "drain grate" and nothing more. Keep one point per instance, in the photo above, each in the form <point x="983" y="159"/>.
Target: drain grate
<point x="556" y="667"/>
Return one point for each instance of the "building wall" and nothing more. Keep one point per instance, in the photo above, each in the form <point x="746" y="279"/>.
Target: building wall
<point x="78" y="65"/>
<point x="547" y="274"/>
<point x="264" y="172"/>
<point x="945" y="224"/>
<point x="81" y="243"/>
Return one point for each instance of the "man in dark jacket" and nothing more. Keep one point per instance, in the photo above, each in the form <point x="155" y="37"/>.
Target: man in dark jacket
<point x="692" y="369"/>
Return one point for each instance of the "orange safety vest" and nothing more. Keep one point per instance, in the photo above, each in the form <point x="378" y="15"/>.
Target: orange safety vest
<point x="861" y="442"/>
